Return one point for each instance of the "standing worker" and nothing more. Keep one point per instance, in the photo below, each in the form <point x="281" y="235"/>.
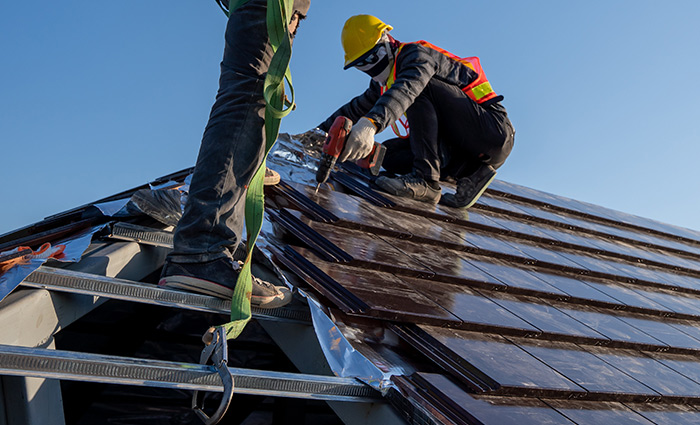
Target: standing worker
<point x="457" y="125"/>
<point x="232" y="149"/>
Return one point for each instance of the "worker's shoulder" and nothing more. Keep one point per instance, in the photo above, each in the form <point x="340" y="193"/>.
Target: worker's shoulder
<point x="414" y="47"/>
<point x="411" y="52"/>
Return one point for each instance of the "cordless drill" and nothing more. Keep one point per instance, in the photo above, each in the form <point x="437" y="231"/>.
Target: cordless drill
<point x="334" y="145"/>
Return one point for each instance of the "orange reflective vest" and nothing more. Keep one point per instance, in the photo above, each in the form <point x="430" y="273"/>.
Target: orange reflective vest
<point x="479" y="90"/>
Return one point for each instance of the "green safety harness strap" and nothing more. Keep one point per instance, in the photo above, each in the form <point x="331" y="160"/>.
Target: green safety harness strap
<point x="278" y="18"/>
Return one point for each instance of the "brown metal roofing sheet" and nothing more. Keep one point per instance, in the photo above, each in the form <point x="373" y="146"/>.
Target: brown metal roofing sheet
<point x="522" y="303"/>
<point x="487" y="410"/>
<point x="470" y="305"/>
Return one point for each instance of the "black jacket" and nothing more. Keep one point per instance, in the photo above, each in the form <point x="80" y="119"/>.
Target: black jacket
<point x="415" y="66"/>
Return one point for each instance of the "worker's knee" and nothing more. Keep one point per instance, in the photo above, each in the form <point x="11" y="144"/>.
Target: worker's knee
<point x="398" y="158"/>
<point x="498" y="155"/>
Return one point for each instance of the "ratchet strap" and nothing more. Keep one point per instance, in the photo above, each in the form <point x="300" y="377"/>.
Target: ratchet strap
<point x="279" y="14"/>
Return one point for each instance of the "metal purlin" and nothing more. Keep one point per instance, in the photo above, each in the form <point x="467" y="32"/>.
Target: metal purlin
<point x="89" y="367"/>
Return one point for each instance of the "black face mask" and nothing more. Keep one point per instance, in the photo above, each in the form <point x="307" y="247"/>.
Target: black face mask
<point x="379" y="67"/>
<point x="375" y="62"/>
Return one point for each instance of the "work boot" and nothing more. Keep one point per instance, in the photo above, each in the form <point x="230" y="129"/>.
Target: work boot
<point x="411" y="185"/>
<point x="470" y="188"/>
<point x="272" y="177"/>
<point x="218" y="278"/>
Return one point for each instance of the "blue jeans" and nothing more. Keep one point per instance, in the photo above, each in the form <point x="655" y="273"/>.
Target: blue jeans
<point x="232" y="146"/>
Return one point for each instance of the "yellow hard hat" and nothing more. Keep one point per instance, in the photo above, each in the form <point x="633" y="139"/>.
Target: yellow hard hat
<point x="360" y="34"/>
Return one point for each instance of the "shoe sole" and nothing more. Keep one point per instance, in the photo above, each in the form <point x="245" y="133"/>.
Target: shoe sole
<point x="271" y="180"/>
<point x="481" y="192"/>
<point x="205" y="287"/>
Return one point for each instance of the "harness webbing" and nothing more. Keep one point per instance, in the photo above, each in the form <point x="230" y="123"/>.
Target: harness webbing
<point x="278" y="17"/>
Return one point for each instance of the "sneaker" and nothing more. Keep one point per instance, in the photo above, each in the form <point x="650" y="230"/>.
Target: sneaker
<point x="409" y="186"/>
<point x="470" y="188"/>
<point x="272" y="177"/>
<point x="218" y="278"/>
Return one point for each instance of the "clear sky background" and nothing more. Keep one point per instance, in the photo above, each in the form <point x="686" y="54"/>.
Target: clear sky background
<point x="96" y="97"/>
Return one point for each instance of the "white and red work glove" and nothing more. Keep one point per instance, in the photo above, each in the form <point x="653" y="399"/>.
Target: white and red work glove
<point x="360" y="142"/>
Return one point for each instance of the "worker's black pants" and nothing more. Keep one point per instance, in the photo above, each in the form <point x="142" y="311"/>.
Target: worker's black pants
<point x="232" y="146"/>
<point x="450" y="135"/>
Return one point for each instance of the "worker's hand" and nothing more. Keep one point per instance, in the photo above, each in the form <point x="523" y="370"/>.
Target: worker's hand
<point x="360" y="142"/>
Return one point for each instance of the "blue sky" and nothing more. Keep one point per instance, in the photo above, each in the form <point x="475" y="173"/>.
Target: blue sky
<point x="97" y="98"/>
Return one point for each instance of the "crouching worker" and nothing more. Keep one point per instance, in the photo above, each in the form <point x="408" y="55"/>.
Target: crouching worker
<point x="457" y="125"/>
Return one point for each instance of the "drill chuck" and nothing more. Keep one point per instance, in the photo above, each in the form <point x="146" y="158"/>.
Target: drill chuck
<point x="334" y="145"/>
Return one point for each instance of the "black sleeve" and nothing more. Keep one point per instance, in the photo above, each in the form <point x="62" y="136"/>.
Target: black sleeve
<point x="415" y="67"/>
<point x="356" y="108"/>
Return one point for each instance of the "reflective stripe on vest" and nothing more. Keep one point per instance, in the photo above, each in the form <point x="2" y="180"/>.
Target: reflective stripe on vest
<point x="478" y="90"/>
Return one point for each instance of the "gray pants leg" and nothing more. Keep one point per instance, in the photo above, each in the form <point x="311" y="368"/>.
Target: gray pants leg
<point x="232" y="145"/>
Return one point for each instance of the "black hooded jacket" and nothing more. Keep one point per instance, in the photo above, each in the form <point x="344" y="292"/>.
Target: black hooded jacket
<point x="415" y="66"/>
